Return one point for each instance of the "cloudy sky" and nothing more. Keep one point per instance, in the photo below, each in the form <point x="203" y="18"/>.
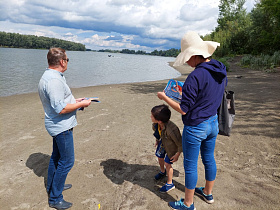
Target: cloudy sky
<point x="112" y="24"/>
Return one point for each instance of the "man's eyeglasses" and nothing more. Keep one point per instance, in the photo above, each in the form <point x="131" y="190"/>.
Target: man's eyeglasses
<point x="67" y="59"/>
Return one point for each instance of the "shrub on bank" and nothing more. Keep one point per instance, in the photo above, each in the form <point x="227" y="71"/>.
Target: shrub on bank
<point x="261" y="62"/>
<point x="224" y="60"/>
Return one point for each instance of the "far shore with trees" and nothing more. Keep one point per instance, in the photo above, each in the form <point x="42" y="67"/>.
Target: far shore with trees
<point x="254" y="35"/>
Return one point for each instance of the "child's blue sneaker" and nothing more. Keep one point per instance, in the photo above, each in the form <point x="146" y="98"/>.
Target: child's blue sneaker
<point x="167" y="188"/>
<point x="180" y="205"/>
<point x="160" y="175"/>
<point x="208" y="198"/>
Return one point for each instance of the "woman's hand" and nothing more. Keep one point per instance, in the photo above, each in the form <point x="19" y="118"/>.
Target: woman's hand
<point x="173" y="104"/>
<point x="161" y="95"/>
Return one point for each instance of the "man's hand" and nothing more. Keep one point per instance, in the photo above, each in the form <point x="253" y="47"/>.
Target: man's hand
<point x="79" y="99"/>
<point x="78" y="105"/>
<point x="85" y="103"/>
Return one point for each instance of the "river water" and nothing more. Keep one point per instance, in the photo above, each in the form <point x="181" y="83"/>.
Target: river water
<point x="21" y="69"/>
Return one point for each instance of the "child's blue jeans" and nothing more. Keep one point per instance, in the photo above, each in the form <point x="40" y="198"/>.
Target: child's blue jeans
<point x="61" y="162"/>
<point x="201" y="137"/>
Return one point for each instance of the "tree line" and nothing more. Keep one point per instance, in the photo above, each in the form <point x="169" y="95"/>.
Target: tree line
<point x="167" y="53"/>
<point x="239" y="32"/>
<point x="37" y="42"/>
<point x="16" y="40"/>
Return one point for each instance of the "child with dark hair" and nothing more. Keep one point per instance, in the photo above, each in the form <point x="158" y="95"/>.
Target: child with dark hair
<point x="168" y="143"/>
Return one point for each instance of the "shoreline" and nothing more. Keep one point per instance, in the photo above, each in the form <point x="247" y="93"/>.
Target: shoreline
<point x="114" y="149"/>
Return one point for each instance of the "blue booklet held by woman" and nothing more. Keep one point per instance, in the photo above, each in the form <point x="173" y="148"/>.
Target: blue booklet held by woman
<point x="173" y="90"/>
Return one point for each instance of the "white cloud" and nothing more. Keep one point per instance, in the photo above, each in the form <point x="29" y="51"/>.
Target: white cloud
<point x="249" y="4"/>
<point x="151" y="23"/>
<point x="103" y="42"/>
<point x="191" y="12"/>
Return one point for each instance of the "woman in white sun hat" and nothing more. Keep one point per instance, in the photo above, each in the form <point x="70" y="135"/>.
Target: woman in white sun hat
<point x="201" y="97"/>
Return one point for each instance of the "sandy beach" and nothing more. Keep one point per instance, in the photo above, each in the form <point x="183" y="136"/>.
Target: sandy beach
<point x="114" y="149"/>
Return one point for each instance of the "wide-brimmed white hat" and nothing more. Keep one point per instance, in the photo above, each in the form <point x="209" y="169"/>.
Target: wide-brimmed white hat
<point x="192" y="44"/>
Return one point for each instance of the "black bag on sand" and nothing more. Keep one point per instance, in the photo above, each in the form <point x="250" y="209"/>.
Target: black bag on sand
<point x="226" y="113"/>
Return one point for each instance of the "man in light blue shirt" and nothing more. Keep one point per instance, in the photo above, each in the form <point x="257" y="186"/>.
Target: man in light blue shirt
<point x="60" y="108"/>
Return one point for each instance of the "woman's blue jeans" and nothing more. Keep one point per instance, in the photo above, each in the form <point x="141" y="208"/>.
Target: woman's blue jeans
<point x="201" y="137"/>
<point x="61" y="162"/>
